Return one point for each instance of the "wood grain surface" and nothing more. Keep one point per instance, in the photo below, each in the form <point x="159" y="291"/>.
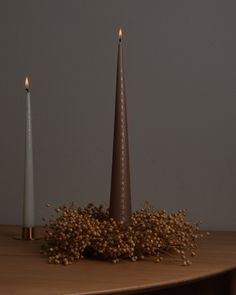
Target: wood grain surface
<point x="23" y="271"/>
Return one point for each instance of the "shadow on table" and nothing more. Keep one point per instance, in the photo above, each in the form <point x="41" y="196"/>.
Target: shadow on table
<point x="224" y="284"/>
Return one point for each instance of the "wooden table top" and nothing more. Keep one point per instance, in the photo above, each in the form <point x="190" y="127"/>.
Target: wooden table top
<point x="25" y="272"/>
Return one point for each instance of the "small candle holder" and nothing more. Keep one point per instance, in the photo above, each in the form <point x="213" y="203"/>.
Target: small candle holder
<point x="27" y="234"/>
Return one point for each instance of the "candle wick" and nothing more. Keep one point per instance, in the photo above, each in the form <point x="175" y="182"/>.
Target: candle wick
<point x="27" y="90"/>
<point x="120" y="39"/>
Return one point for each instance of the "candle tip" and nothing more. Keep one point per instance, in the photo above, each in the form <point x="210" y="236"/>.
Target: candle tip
<point x="120" y="34"/>
<point x="26" y="84"/>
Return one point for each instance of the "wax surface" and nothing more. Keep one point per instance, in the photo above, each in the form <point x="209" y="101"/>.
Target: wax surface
<point x="120" y="198"/>
<point x="28" y="214"/>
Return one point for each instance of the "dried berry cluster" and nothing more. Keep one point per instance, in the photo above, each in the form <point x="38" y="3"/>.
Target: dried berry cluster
<point x="77" y="233"/>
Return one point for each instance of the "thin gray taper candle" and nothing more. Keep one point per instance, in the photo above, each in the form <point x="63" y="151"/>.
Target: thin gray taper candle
<point x="28" y="206"/>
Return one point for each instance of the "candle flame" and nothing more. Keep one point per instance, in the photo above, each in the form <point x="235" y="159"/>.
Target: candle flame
<point x="26" y="83"/>
<point x="120" y="34"/>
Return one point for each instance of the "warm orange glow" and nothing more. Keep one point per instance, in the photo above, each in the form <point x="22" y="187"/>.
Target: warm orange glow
<point x="26" y="83"/>
<point x="120" y="33"/>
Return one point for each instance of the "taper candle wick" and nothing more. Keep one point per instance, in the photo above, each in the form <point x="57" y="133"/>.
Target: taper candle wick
<point x="120" y="35"/>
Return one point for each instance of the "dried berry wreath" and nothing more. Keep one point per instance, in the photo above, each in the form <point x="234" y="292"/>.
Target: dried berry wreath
<point x="77" y="232"/>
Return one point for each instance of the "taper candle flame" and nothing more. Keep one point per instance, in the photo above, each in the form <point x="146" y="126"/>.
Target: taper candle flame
<point x="26" y="84"/>
<point x="120" y="34"/>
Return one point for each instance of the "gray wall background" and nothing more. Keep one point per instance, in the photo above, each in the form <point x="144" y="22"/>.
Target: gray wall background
<point x="180" y="62"/>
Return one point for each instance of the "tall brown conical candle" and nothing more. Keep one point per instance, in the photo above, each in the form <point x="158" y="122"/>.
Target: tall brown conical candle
<point x="120" y="198"/>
